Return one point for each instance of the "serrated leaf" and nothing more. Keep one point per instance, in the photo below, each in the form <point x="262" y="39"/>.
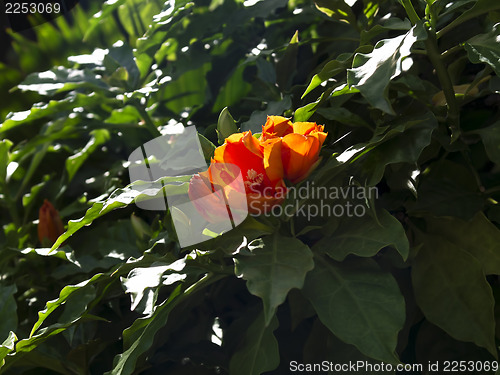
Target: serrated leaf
<point x="363" y="236"/>
<point x="452" y="291"/>
<point x="225" y="125"/>
<point x="259" y="351"/>
<point x="372" y="72"/>
<point x="276" y="265"/>
<point x="359" y="303"/>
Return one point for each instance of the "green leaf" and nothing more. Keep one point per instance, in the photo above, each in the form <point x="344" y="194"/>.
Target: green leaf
<point x="258" y="118"/>
<point x="452" y="291"/>
<point x="7" y="346"/>
<point x="337" y="9"/>
<point x="344" y="116"/>
<point x="403" y="143"/>
<point x="8" y="310"/>
<point x="276" y="265"/>
<point x="305" y="112"/>
<point x="363" y="236"/>
<point x="226" y="125"/>
<point x="372" y="72"/>
<point x="207" y="147"/>
<point x="478" y="237"/>
<point x="126" y="115"/>
<point x="331" y="69"/>
<point x="74" y="162"/>
<point x="61" y="79"/>
<point x="491" y="140"/>
<point x="480" y="7"/>
<point x="140" y="282"/>
<point x="143" y="331"/>
<point x="5" y="146"/>
<point x="484" y="48"/>
<point x="391" y="24"/>
<point x="139" y="337"/>
<point x="66" y="293"/>
<point x="52" y="108"/>
<point x="359" y="303"/>
<point x="287" y="65"/>
<point x="121" y="56"/>
<point x="443" y="185"/>
<point x="122" y="198"/>
<point x="259" y="351"/>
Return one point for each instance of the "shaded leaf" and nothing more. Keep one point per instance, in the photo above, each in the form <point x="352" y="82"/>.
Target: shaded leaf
<point x="491" y="140"/>
<point x="259" y="350"/>
<point x="452" y="291"/>
<point x="258" y="118"/>
<point x="74" y="162"/>
<point x="287" y="65"/>
<point x="478" y="237"/>
<point x="8" y="310"/>
<point x="359" y="303"/>
<point x="276" y="265"/>
<point x="404" y="142"/>
<point x="363" y="236"/>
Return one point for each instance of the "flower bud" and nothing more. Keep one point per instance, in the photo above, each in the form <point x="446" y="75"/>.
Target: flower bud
<point x="50" y="226"/>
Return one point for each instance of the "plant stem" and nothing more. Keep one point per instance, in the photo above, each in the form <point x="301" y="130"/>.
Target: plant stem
<point x="452" y="50"/>
<point x="148" y="122"/>
<point x="446" y="84"/>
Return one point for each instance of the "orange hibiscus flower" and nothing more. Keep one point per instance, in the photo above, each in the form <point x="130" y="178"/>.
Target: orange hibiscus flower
<point x="285" y="150"/>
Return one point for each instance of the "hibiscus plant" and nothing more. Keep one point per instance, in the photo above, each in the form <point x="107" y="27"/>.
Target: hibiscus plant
<point x="348" y="196"/>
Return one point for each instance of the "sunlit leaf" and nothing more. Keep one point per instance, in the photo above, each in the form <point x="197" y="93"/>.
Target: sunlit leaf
<point x="372" y="72"/>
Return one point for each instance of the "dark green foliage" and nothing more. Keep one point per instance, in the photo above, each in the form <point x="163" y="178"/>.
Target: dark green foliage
<point x="409" y="95"/>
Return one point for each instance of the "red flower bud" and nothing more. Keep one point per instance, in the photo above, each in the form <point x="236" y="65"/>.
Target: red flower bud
<point x="50" y="226"/>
